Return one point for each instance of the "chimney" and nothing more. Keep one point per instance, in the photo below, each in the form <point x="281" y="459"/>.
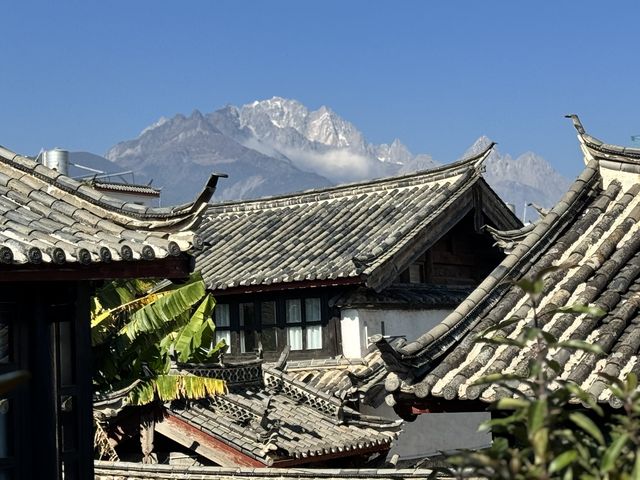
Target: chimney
<point x="56" y="159"/>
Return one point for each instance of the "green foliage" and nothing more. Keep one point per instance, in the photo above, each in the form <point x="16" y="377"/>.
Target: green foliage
<point x="138" y="328"/>
<point x="554" y="429"/>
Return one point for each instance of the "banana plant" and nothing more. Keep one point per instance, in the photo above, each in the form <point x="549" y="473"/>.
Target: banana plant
<point x="139" y="327"/>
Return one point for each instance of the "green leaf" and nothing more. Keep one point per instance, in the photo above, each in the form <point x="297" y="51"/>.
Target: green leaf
<point x="189" y="337"/>
<point x="632" y="382"/>
<point x="540" y="443"/>
<point x="500" y="422"/>
<point x="549" y="338"/>
<point x="580" y="309"/>
<point x="497" y="377"/>
<point x="612" y="381"/>
<point x="512" y="403"/>
<point x="554" y="365"/>
<point x="501" y="340"/>
<point x="583" y="396"/>
<point x="500" y="325"/>
<point x="164" y="309"/>
<point x="532" y="287"/>
<point x="612" y="453"/>
<point x="635" y="474"/>
<point x="586" y="424"/>
<point x="562" y="461"/>
<point x="581" y="345"/>
<point x="535" y="285"/>
<point x="537" y="414"/>
<point x="529" y="333"/>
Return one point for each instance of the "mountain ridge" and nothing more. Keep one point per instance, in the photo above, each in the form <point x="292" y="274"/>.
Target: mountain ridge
<point x="279" y="146"/>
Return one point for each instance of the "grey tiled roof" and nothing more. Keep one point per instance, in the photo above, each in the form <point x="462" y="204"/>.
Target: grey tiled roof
<point x="596" y="228"/>
<point x="405" y="296"/>
<point x="366" y="233"/>
<point x="350" y="379"/>
<point x="285" y="419"/>
<point x="50" y="218"/>
<point x="138" y="471"/>
<point x="343" y="378"/>
<point x="125" y="187"/>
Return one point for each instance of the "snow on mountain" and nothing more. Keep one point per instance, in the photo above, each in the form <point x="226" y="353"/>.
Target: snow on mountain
<point x="181" y="153"/>
<point x="279" y="146"/>
<point x="319" y="141"/>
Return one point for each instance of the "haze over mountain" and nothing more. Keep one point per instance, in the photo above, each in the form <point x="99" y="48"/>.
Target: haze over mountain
<point x="279" y="146"/>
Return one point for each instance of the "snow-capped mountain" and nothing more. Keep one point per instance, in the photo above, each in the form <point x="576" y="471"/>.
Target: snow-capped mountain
<point x="268" y="147"/>
<point x="179" y="154"/>
<point x="279" y="146"/>
<point x="319" y="141"/>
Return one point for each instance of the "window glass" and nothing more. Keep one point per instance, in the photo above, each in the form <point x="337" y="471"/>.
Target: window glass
<point x="65" y="332"/>
<point x="312" y="309"/>
<point x="247" y="341"/>
<point x="269" y="339"/>
<point x="268" y="313"/>
<point x="221" y="315"/>
<point x="246" y="314"/>
<point x="224" y="335"/>
<point x="294" y="338"/>
<point x="293" y="311"/>
<point x="314" y="337"/>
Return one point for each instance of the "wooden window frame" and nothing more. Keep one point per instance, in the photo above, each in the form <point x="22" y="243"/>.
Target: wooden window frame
<point x="328" y="347"/>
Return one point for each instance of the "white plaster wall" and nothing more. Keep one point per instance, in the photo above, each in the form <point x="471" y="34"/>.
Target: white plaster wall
<point x="357" y="324"/>
<point x="433" y="433"/>
<point x="350" y="329"/>
<point x="430" y="433"/>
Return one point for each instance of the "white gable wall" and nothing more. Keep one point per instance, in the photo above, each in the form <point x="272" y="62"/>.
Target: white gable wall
<point x="358" y="324"/>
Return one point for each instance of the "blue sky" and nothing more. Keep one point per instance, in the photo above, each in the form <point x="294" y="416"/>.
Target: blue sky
<point x="85" y="75"/>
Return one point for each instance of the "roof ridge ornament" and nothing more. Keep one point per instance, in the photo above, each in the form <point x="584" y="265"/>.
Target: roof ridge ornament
<point x="480" y="159"/>
<point x="576" y="123"/>
<point x="588" y="155"/>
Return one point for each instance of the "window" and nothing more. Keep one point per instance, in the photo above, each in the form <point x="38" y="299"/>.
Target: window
<point x="304" y="329"/>
<point x="247" y="328"/>
<point x="294" y="324"/>
<point x="268" y="324"/>
<point x="223" y="324"/>
<point x="272" y="324"/>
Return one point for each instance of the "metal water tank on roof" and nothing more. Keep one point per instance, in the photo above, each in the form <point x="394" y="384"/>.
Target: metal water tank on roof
<point x="57" y="159"/>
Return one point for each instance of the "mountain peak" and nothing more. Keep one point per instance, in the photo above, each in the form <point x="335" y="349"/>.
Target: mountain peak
<point x="480" y="145"/>
<point x="161" y="121"/>
<point x="196" y="114"/>
<point x="278" y="145"/>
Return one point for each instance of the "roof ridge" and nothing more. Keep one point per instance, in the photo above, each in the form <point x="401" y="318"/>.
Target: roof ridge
<point x="127" y="468"/>
<point x="474" y="162"/>
<point x="437" y="341"/>
<point x="463" y="183"/>
<point x="609" y="156"/>
<point x="101" y="200"/>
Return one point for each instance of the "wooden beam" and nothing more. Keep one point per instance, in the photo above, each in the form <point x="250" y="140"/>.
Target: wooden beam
<point x="288" y="286"/>
<point x="204" y="444"/>
<point x="170" y="267"/>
